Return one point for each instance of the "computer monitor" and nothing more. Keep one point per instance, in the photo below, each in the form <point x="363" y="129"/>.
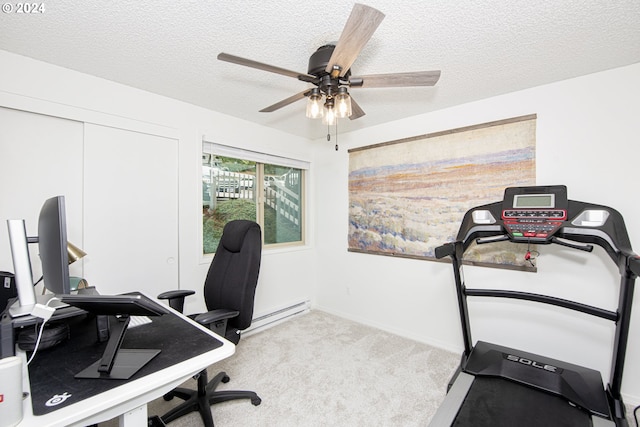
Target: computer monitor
<point x="52" y="242"/>
<point x="134" y="304"/>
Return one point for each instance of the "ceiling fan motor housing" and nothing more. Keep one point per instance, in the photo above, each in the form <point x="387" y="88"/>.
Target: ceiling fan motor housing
<point x="317" y="66"/>
<point x="319" y="60"/>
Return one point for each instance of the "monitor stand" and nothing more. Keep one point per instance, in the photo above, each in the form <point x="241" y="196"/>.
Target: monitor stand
<point x="19" y="243"/>
<point x="19" y="310"/>
<point x="117" y="363"/>
<point x="27" y="297"/>
<point x="127" y="363"/>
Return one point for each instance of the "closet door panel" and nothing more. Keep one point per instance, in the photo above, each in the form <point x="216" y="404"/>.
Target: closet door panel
<point x="40" y="157"/>
<point x="130" y="211"/>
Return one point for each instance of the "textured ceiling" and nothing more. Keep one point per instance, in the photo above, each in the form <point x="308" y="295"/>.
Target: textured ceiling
<point x="483" y="47"/>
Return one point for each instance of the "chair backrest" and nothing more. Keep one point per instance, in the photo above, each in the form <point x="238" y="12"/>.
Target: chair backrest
<point x="233" y="274"/>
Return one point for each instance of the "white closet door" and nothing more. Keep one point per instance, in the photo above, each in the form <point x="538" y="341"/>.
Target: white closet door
<point x="130" y="211"/>
<point x="40" y="157"/>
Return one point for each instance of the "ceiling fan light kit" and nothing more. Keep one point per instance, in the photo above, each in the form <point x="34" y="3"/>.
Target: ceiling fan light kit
<point x="329" y="118"/>
<point x="329" y="71"/>
<point x="343" y="103"/>
<point x="315" y="106"/>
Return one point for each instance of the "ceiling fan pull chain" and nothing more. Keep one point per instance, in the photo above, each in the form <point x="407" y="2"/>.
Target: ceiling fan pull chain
<point x="336" y="134"/>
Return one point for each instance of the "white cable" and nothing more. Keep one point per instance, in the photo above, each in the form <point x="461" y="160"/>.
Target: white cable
<point x="52" y="299"/>
<point x="46" y="316"/>
<point x="35" y="348"/>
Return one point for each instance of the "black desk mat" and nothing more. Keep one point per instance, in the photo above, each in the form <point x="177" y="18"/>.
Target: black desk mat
<point x="51" y="373"/>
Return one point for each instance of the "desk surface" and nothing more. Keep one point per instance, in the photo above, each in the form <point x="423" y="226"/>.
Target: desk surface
<point x="186" y="348"/>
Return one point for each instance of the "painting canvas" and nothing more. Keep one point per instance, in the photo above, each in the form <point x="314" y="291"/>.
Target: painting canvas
<point x="407" y="197"/>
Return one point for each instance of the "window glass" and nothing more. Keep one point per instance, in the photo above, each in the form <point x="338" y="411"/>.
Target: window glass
<point x="282" y="204"/>
<point x="228" y="193"/>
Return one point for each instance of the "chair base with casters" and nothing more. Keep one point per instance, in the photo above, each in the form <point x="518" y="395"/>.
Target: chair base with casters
<point x="206" y="395"/>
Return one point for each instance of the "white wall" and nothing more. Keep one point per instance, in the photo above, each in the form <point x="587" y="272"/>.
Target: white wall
<point x="30" y="85"/>
<point x="587" y="139"/>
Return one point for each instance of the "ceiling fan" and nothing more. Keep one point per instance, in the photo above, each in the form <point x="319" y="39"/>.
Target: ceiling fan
<point x="329" y="71"/>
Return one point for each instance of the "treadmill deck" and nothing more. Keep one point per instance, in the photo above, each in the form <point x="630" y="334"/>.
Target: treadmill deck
<point x="500" y="386"/>
<point x="581" y="386"/>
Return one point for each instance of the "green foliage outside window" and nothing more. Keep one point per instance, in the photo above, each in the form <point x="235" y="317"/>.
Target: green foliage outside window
<point x="213" y="223"/>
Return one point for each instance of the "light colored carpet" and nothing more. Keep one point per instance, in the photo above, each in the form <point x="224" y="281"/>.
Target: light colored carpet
<point x="321" y="370"/>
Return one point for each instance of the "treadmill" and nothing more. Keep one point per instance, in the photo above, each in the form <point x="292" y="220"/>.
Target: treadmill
<point x="500" y="386"/>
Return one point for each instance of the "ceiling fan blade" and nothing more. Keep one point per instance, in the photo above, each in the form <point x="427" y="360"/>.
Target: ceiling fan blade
<point x="285" y="102"/>
<point x="265" y="67"/>
<point x="410" y="79"/>
<point x="360" y="26"/>
<point x="356" y="111"/>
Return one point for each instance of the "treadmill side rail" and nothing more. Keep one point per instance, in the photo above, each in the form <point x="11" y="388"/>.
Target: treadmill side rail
<point x="601" y="422"/>
<point x="449" y="408"/>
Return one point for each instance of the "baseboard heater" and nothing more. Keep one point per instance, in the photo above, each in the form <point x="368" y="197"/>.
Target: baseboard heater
<point x="277" y="316"/>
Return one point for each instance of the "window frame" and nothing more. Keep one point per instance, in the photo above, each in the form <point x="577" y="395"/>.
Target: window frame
<point x="260" y="159"/>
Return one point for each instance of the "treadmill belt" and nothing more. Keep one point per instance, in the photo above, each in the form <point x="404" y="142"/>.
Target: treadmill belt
<point x="497" y="402"/>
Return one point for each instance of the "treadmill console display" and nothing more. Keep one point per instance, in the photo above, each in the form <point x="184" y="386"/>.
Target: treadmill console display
<point x="534" y="213"/>
<point x="522" y="201"/>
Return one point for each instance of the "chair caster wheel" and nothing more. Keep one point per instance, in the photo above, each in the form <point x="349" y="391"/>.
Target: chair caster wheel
<point x="155" y="421"/>
<point x="167" y="397"/>
<point x="256" y="401"/>
<point x="225" y="379"/>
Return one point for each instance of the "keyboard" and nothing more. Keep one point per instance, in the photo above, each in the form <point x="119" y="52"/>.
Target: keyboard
<point x="135" y="321"/>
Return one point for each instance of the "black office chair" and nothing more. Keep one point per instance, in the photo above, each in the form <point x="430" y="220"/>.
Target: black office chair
<point x="229" y="291"/>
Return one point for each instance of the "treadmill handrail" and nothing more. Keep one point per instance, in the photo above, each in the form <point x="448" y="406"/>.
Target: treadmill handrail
<point x="546" y="299"/>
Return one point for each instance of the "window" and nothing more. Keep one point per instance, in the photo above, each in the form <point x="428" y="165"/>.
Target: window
<point x="240" y="184"/>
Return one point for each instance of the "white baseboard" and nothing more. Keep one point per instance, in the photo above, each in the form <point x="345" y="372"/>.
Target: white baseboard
<point x="276" y="317"/>
<point x="631" y="401"/>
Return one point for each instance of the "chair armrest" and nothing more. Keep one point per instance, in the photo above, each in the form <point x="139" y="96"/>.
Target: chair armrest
<point x="176" y="293"/>
<point x="216" y="320"/>
<point x="215" y="316"/>
<point x="176" y="298"/>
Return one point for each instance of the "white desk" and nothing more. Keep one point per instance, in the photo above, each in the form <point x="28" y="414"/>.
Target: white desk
<point x="127" y="401"/>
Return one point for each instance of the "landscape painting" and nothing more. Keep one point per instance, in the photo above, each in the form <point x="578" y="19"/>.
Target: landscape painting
<point x="407" y="197"/>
